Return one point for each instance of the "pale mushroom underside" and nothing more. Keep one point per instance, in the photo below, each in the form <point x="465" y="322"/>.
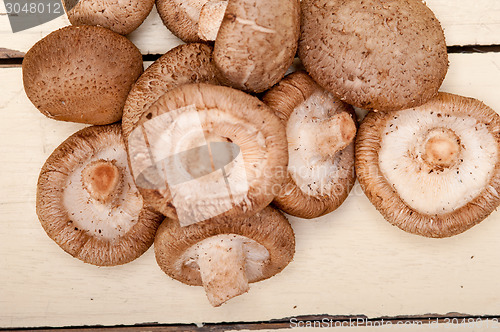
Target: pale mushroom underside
<point x="426" y="189"/>
<point x="317" y="174"/>
<point x="432" y="170"/>
<point x="87" y="201"/>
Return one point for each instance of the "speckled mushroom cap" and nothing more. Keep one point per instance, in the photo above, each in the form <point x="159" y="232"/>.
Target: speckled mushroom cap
<point x="257" y="42"/>
<point x="119" y="16"/>
<point x="181" y="17"/>
<point x="320" y="132"/>
<point x="432" y="170"/>
<point x="81" y="74"/>
<point x="377" y="55"/>
<point x="225" y="254"/>
<point x="203" y="151"/>
<point x="87" y="201"/>
<point x="189" y="63"/>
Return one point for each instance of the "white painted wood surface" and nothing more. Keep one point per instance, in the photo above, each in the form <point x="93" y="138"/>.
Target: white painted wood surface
<point x="347" y="263"/>
<point x="466" y="22"/>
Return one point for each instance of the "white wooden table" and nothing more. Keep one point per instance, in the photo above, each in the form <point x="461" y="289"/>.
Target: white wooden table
<point x="348" y="263"/>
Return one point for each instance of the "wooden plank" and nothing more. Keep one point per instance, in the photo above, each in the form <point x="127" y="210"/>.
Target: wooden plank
<point x="466" y="22"/>
<point x="350" y="262"/>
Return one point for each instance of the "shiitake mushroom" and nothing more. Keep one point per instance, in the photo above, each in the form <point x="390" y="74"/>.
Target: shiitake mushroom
<point x="320" y="132"/>
<point x="81" y="74"/>
<point x="226" y="255"/>
<point x="87" y="201"/>
<point x="377" y="55"/>
<point x="122" y="17"/>
<point x="203" y="151"/>
<point x="432" y="170"/>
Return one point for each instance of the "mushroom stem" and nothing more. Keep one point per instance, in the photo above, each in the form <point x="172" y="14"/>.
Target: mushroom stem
<point x="334" y="134"/>
<point x="441" y="148"/>
<point x="102" y="180"/>
<point x="211" y="16"/>
<point x="222" y="269"/>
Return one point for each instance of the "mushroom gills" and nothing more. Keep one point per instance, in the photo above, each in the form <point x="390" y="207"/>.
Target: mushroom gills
<point x="437" y="162"/>
<point x="227" y="263"/>
<point x="113" y="206"/>
<point x="314" y="139"/>
<point x="210" y="20"/>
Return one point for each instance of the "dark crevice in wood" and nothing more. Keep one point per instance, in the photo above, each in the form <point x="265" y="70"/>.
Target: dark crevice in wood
<point x="474" y="49"/>
<point x="11" y="62"/>
<point x="334" y="321"/>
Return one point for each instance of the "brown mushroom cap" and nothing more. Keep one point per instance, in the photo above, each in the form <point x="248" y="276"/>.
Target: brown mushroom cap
<point x="87" y="201"/>
<point x="385" y="56"/>
<point x="81" y="74"/>
<point x="257" y="42"/>
<point x="320" y="132"/>
<point x="122" y="17"/>
<point x="432" y="170"/>
<point x="264" y="245"/>
<point x="189" y="63"/>
<point x="203" y="151"/>
<point x="181" y="17"/>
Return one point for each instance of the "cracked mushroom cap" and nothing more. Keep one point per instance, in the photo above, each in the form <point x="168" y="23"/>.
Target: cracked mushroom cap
<point x="385" y="56"/>
<point x="257" y="42"/>
<point x="81" y="74"/>
<point x="432" y="170"/>
<point x="119" y="16"/>
<point x="320" y="131"/>
<point x="226" y="255"/>
<point x="181" y="17"/>
<point x="203" y="151"/>
<point x="87" y="201"/>
<point x="189" y="63"/>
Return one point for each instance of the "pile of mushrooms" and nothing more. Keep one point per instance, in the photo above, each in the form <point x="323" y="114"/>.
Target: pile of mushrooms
<point x="201" y="166"/>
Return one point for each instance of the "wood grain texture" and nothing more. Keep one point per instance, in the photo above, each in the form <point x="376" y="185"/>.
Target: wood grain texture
<point x="350" y="262"/>
<point x="466" y="22"/>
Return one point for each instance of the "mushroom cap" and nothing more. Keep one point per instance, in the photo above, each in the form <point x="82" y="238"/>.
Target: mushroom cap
<point x="432" y="170"/>
<point x="95" y="231"/>
<point x="257" y="43"/>
<point x="268" y="228"/>
<point x="119" y="16"/>
<point x="310" y="192"/>
<point x="181" y="17"/>
<point x="81" y="74"/>
<point x="385" y="56"/>
<point x="203" y="151"/>
<point x="189" y="63"/>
